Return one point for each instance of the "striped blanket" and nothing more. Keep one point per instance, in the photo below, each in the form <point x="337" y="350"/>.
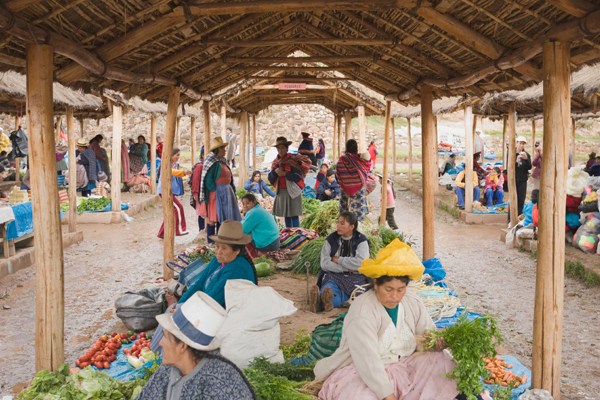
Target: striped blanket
<point x="351" y="173"/>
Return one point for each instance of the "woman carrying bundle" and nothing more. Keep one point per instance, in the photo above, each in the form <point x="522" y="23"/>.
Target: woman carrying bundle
<point x="351" y="173"/>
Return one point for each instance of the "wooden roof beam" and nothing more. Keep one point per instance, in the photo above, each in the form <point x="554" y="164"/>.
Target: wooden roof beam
<point x="297" y="60"/>
<point x="293" y="69"/>
<point x="299" y="41"/>
<point x="200" y="7"/>
<point x="577" y="8"/>
<point x="298" y="79"/>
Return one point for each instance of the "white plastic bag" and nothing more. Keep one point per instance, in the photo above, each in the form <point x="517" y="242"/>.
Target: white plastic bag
<point x="577" y="179"/>
<point x="252" y="326"/>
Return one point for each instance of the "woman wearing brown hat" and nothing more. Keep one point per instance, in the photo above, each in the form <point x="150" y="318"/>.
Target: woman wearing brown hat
<point x="87" y="158"/>
<point x="287" y="175"/>
<point x="217" y="198"/>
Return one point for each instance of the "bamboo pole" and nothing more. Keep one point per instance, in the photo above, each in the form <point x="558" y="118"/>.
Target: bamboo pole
<point x="410" y="152"/>
<point x="511" y="164"/>
<point x="504" y="152"/>
<point x="469" y="125"/>
<point x="334" y="139"/>
<point x="533" y="132"/>
<point x="394" y="169"/>
<point x="348" y="122"/>
<point x="193" y="139"/>
<point x="178" y="133"/>
<point x="47" y="235"/>
<point x="57" y="128"/>
<point x="254" y="142"/>
<point x="165" y="181"/>
<point x="437" y="141"/>
<point x="243" y="165"/>
<point x="386" y="157"/>
<point x="223" y="122"/>
<point x="206" y="109"/>
<point x="153" y="154"/>
<point x="115" y="184"/>
<point x="548" y="310"/>
<point x="572" y="149"/>
<point x="429" y="149"/>
<point x="81" y="127"/>
<point x="339" y="136"/>
<point x="72" y="171"/>
<point x="362" y="129"/>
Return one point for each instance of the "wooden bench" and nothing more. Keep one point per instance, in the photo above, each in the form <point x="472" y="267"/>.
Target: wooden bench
<point x="9" y="246"/>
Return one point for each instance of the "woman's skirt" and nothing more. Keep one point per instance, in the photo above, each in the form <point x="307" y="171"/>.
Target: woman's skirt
<point x="356" y="204"/>
<point x="286" y="206"/>
<point x="222" y="204"/>
<point x="421" y="376"/>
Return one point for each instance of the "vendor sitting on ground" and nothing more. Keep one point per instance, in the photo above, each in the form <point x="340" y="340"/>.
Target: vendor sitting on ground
<point x="191" y="367"/>
<point x="376" y="358"/>
<point x="321" y="175"/>
<point x="341" y="256"/>
<point x="256" y="185"/>
<point x="260" y="225"/>
<point x="460" y="188"/>
<point x="494" y="194"/>
<point x="329" y="189"/>
<point x="449" y="164"/>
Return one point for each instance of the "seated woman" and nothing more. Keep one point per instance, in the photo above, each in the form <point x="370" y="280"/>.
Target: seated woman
<point x="321" y="175"/>
<point x="329" y="189"/>
<point x="256" y="185"/>
<point x="376" y="358"/>
<point x="493" y="187"/>
<point x="191" y="367"/>
<point x="460" y="188"/>
<point x="341" y="256"/>
<point x="260" y="225"/>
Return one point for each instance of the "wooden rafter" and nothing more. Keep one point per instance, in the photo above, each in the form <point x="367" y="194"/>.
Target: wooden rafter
<point x="297" y="60"/>
<point x="300" y="41"/>
<point x="577" y="8"/>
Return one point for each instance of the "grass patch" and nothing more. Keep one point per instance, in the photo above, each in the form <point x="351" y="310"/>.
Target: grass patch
<point x="575" y="269"/>
<point x="455" y="212"/>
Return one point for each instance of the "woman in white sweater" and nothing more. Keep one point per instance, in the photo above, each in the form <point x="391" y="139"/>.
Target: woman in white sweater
<point x="377" y="357"/>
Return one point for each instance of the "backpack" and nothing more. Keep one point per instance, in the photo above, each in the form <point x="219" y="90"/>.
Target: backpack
<point x="18" y="139"/>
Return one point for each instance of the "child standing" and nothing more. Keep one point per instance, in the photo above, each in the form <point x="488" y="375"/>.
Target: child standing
<point x="390" y="203"/>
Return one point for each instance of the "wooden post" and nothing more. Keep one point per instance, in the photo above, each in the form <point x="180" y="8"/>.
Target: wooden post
<point x="57" y="128"/>
<point x="178" y="133"/>
<point x="362" y="129"/>
<point x="165" y="181"/>
<point x="394" y="170"/>
<point x="18" y="159"/>
<point x="469" y="125"/>
<point x="81" y="127"/>
<point x="437" y="141"/>
<point x="386" y="157"/>
<point x="533" y="132"/>
<point x="153" y="154"/>
<point x="572" y="149"/>
<point x="429" y="149"/>
<point x="504" y="152"/>
<point x="206" y="109"/>
<point x="223" y="122"/>
<point x="348" y="121"/>
<point x="339" y="136"/>
<point x="72" y="171"/>
<point x="243" y="164"/>
<point x="115" y="184"/>
<point x="47" y="235"/>
<point x="193" y="139"/>
<point x="254" y="154"/>
<point x="549" y="288"/>
<point x="334" y="139"/>
<point x="410" y="152"/>
<point x="511" y="164"/>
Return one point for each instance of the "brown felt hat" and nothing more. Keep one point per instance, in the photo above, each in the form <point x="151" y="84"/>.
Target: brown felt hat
<point x="231" y="232"/>
<point x="217" y="142"/>
<point x="281" y="140"/>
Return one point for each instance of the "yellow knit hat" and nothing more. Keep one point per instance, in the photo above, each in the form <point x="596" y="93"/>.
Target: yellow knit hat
<point x="395" y="259"/>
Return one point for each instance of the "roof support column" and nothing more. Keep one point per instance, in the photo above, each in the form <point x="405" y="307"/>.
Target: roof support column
<point x="469" y="124"/>
<point x="511" y="163"/>
<point x="193" y="139"/>
<point x="504" y="152"/>
<point x="429" y="157"/>
<point x="362" y="129"/>
<point x="47" y="235"/>
<point x="81" y="127"/>
<point x="72" y="167"/>
<point x="178" y="133"/>
<point x="334" y="138"/>
<point x="394" y="170"/>
<point x="339" y="136"/>
<point x="165" y="181"/>
<point x="549" y="288"/>
<point x="533" y="132"/>
<point x="348" y="121"/>
<point x="243" y="163"/>
<point x="115" y="184"/>
<point x="153" y="153"/>
<point x="206" y="109"/>
<point x="224" y="123"/>
<point x="254" y="153"/>
<point x="386" y="157"/>
<point x="572" y="149"/>
<point x="410" y="152"/>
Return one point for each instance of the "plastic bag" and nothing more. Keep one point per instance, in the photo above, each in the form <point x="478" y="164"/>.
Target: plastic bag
<point x="586" y="238"/>
<point x="577" y="179"/>
<point x="138" y="310"/>
<point x="434" y="268"/>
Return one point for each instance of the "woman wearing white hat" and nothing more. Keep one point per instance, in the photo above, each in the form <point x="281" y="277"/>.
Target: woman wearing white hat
<point x="216" y="197"/>
<point x="522" y="168"/>
<point x="191" y="368"/>
<point x="87" y="158"/>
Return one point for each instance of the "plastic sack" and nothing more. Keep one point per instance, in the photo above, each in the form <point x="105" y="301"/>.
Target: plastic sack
<point x="434" y="268"/>
<point x="577" y="179"/>
<point x="586" y="238"/>
<point x="395" y="259"/>
<point x="138" y="309"/>
<point x="252" y="326"/>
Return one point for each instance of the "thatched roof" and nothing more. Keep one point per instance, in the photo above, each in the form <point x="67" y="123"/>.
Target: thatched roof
<point x="13" y="89"/>
<point x="138" y="104"/>
<point x="459" y="47"/>
<point x="440" y="106"/>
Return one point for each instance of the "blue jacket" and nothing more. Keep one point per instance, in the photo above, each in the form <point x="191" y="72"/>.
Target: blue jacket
<point x="259" y="188"/>
<point x="333" y="186"/>
<point x="260" y="224"/>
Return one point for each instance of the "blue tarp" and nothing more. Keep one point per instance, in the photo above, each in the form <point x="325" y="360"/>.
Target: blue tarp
<point x="23" y="223"/>
<point x="121" y="369"/>
<point x="449" y="321"/>
<point x="517" y="369"/>
<point x="494" y="209"/>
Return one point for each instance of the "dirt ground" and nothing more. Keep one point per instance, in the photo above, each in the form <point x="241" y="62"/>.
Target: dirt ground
<point x="115" y="258"/>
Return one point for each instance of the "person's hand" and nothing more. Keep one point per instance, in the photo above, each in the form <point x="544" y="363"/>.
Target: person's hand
<point x="440" y="344"/>
<point x="335" y="259"/>
<point x="254" y="184"/>
<point x="188" y="173"/>
<point x="280" y="172"/>
<point x="328" y="192"/>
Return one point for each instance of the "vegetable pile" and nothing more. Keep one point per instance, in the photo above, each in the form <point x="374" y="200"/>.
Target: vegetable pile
<point x="500" y="375"/>
<point x="142" y="343"/>
<point x="470" y="342"/>
<point x="309" y="205"/>
<point x="311" y="253"/>
<point x="103" y="352"/>
<point x="92" y="204"/>
<point x="201" y="252"/>
<point x="323" y="219"/>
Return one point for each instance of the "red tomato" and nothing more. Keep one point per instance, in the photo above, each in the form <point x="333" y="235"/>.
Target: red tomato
<point x="99" y="365"/>
<point x="106" y="365"/>
<point x="84" y="364"/>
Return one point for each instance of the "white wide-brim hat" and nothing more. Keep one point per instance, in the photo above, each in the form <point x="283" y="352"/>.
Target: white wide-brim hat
<point x="521" y="139"/>
<point x="196" y="322"/>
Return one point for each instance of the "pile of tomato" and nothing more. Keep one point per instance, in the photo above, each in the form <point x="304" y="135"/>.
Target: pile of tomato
<point x="142" y="343"/>
<point x="104" y="350"/>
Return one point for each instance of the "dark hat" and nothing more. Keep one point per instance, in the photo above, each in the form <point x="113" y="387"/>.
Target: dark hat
<point x="305" y="134"/>
<point x="281" y="140"/>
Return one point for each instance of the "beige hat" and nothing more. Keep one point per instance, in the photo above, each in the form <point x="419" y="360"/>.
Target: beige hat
<point x="81" y="142"/>
<point x="217" y="142"/>
<point x="196" y="322"/>
<point x="231" y="232"/>
<point x="521" y="139"/>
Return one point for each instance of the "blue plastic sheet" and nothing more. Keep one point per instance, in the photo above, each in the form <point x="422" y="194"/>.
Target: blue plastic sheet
<point x="517" y="369"/>
<point x="494" y="209"/>
<point x="449" y="321"/>
<point x="23" y="223"/>
<point x="121" y="369"/>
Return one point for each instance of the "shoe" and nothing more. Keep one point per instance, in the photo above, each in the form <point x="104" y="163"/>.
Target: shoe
<point x="183" y="233"/>
<point x="327" y="299"/>
<point x="314" y="300"/>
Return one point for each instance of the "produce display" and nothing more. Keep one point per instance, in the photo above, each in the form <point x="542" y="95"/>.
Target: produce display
<point x="500" y="375"/>
<point x="201" y="252"/>
<point x="311" y="253"/>
<point x="323" y="219"/>
<point x="17" y="195"/>
<point x="143" y="343"/>
<point x="103" y="351"/>
<point x="309" y="205"/>
<point x="263" y="269"/>
<point x="92" y="204"/>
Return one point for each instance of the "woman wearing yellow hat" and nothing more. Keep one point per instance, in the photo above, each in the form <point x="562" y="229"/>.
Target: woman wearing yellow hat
<point x="377" y="356"/>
